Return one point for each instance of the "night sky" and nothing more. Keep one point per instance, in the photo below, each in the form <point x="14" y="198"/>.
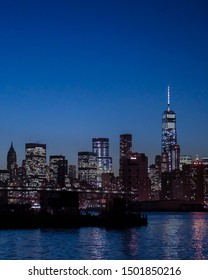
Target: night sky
<point x="77" y="69"/>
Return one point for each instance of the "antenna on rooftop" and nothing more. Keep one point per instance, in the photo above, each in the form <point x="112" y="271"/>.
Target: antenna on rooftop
<point x="168" y="98"/>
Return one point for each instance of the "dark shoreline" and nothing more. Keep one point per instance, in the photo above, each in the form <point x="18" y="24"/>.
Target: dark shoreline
<point x="31" y="220"/>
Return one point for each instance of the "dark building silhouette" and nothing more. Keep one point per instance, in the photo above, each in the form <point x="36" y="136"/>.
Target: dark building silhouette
<point x="125" y="144"/>
<point x="135" y="174"/>
<point x="155" y="178"/>
<point x="62" y="172"/>
<point x="54" y="165"/>
<point x="108" y="180"/>
<point x="195" y="181"/>
<point x="172" y="185"/>
<point x="125" y="150"/>
<point x="72" y="171"/>
<point x="22" y="174"/>
<point x="190" y="184"/>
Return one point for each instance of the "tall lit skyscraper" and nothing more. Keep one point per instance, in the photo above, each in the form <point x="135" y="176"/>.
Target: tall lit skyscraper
<point x="100" y="146"/>
<point x="35" y="164"/>
<point x="170" y="150"/>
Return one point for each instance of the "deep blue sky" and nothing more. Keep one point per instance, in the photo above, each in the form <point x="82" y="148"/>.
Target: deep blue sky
<point x="71" y="70"/>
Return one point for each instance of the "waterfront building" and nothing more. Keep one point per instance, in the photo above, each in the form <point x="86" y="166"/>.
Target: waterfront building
<point x="35" y="164"/>
<point x="87" y="168"/>
<point x="170" y="151"/>
<point x="100" y="146"/>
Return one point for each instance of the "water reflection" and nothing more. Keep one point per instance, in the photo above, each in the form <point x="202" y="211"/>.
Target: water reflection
<point x="199" y="229"/>
<point x="98" y="243"/>
<point x="133" y="244"/>
<point x="171" y="238"/>
<point x="167" y="236"/>
<point x="94" y="243"/>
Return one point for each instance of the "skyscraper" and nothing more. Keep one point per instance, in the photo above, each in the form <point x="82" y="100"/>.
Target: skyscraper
<point x="54" y="165"/>
<point x="58" y="169"/>
<point x="35" y="163"/>
<point x="11" y="161"/>
<point x="125" y="144"/>
<point x="135" y="174"/>
<point x="100" y="146"/>
<point x="169" y="150"/>
<point x="87" y="167"/>
<point x="125" y="150"/>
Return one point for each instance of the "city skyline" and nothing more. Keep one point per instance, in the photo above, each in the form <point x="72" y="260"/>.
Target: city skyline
<point x="100" y="70"/>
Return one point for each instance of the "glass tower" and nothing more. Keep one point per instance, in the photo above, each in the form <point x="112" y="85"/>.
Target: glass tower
<point x="100" y="146"/>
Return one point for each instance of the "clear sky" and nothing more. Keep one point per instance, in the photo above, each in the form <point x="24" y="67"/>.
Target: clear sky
<point x="71" y="70"/>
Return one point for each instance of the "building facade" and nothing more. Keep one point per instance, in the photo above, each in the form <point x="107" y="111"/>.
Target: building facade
<point x="54" y="162"/>
<point x="135" y="175"/>
<point x="194" y="181"/>
<point x="87" y="168"/>
<point x="35" y="164"/>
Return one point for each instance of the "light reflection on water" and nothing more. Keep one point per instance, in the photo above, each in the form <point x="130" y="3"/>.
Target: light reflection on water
<point x="199" y="239"/>
<point x="167" y="236"/>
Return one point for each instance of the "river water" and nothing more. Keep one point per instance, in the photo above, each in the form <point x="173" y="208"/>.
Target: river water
<point x="168" y="236"/>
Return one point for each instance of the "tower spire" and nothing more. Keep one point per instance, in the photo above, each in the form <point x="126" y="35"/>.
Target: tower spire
<point x="168" y="98"/>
